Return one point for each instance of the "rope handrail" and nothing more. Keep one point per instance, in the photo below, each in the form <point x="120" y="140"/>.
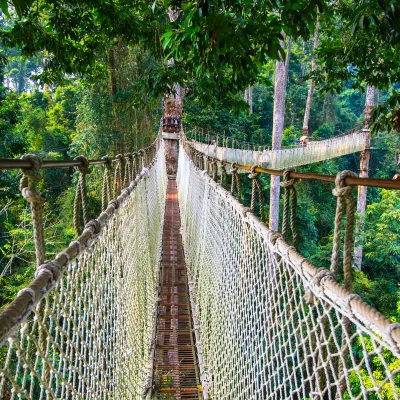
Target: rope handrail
<point x="267" y="318"/>
<point x="312" y="140"/>
<point x="355" y="181"/>
<point x="72" y="331"/>
<point x="11" y="163"/>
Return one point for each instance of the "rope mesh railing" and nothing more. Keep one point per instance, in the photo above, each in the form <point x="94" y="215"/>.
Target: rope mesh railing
<point x="84" y="327"/>
<point x="315" y="151"/>
<point x="269" y="324"/>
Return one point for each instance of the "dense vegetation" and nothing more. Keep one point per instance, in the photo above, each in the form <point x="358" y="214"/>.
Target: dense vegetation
<point x="89" y="78"/>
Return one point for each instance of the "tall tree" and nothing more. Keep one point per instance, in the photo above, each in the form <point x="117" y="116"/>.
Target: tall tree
<point x="312" y="83"/>
<point x="281" y="74"/>
<point x="248" y="97"/>
<point x="364" y="166"/>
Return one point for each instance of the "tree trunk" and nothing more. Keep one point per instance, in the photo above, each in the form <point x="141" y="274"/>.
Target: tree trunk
<point x="21" y="77"/>
<point x="119" y="143"/>
<point x="281" y="74"/>
<point x="250" y="91"/>
<point x="248" y="98"/>
<point x="364" y="165"/>
<point x="312" y="84"/>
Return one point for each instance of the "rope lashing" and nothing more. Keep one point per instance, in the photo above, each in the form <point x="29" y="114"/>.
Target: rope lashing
<point x="290" y="199"/>
<point x="106" y="194"/>
<point x="36" y="201"/>
<point x="345" y="201"/>
<point x="209" y="162"/>
<point x="256" y="191"/>
<point x="236" y="182"/>
<point x="214" y="169"/>
<point x="118" y="175"/>
<point x="81" y="199"/>
<point x="223" y="177"/>
<point x="141" y="155"/>
<point x="128" y="169"/>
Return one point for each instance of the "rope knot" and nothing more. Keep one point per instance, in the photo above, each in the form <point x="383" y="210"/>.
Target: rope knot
<point x="54" y="268"/>
<point x="274" y="236"/>
<point x="84" y="167"/>
<point x="119" y="158"/>
<point x="321" y="276"/>
<point x="345" y="204"/>
<point x="129" y="156"/>
<point x="114" y="203"/>
<point x="108" y="161"/>
<point x="32" y="173"/>
<point x="286" y="178"/>
<point x="36" y="201"/>
<point x="253" y="174"/>
<point x="349" y="299"/>
<point x="341" y="189"/>
<point x="234" y="168"/>
<point x="95" y="224"/>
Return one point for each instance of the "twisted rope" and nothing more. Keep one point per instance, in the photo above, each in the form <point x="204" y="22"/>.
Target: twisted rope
<point x="236" y="182"/>
<point x="290" y="198"/>
<point x="128" y="169"/>
<point x="118" y="175"/>
<point x="141" y="159"/>
<point x="214" y="169"/>
<point x="36" y="201"/>
<point x="106" y="195"/>
<point x="223" y="177"/>
<point x="345" y="197"/>
<point x="81" y="199"/>
<point x="256" y="190"/>
<point x="135" y="167"/>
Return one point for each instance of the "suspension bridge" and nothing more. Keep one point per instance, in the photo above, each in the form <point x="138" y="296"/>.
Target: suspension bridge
<point x="294" y="156"/>
<point x="177" y="291"/>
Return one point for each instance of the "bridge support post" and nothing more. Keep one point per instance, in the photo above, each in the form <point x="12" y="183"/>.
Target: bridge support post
<point x="171" y="153"/>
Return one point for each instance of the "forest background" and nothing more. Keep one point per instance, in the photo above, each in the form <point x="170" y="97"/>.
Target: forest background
<point x="62" y="96"/>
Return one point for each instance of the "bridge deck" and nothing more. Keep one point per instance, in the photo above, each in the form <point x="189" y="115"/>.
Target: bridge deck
<point x="175" y="366"/>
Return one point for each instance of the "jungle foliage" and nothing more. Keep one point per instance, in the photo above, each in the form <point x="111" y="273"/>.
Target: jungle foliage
<point x="88" y="77"/>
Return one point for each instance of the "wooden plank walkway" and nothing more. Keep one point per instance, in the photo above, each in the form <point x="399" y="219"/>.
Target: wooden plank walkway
<point x="175" y="364"/>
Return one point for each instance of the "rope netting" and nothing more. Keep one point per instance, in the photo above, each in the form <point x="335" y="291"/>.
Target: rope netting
<point x="280" y="159"/>
<point x="84" y="327"/>
<point x="268" y="324"/>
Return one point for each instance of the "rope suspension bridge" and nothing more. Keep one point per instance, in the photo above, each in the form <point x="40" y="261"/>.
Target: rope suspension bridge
<point x="177" y="291"/>
<point x="313" y="151"/>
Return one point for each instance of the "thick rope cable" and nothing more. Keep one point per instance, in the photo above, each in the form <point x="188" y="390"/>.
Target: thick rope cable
<point x="36" y="201"/>
<point x="290" y="201"/>
<point x="135" y="168"/>
<point x="236" y="182"/>
<point x="141" y="160"/>
<point x="256" y="191"/>
<point x="81" y="200"/>
<point x="345" y="201"/>
<point x="118" y="175"/>
<point x="223" y="177"/>
<point x="128" y="169"/>
<point x="106" y="194"/>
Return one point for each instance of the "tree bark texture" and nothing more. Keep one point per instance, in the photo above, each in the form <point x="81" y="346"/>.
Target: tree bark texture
<point x="312" y="84"/>
<point x="250" y="92"/>
<point x="281" y="73"/>
<point x="119" y="143"/>
<point x="364" y="166"/>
